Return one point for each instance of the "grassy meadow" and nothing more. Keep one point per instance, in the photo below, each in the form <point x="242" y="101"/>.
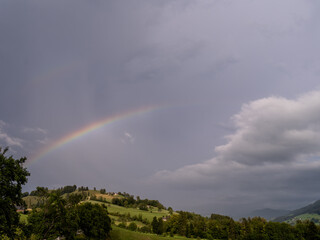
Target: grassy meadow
<point x="112" y="209"/>
<point x="307" y="216"/>
<point x="123" y="234"/>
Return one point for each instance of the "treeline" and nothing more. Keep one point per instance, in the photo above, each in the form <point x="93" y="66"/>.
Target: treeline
<point x="142" y="204"/>
<point x="222" y="227"/>
<point x="63" y="190"/>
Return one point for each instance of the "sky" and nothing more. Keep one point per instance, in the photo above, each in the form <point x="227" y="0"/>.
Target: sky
<point x="209" y="106"/>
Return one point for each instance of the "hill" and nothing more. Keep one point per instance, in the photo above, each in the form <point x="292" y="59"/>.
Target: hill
<point x="310" y="212"/>
<point x="269" y="213"/>
<point x="134" y="218"/>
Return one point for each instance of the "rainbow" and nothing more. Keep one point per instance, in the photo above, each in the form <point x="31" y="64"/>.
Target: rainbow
<point x="88" y="129"/>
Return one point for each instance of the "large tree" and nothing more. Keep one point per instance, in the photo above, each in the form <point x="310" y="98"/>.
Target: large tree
<point x="12" y="176"/>
<point x="94" y="220"/>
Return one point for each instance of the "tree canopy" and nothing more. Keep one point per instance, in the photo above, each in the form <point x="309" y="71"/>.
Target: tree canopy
<point x="12" y="176"/>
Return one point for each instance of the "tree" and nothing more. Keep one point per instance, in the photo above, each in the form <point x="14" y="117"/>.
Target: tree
<point x="42" y="193"/>
<point x="12" y="176"/>
<point x="74" y="199"/>
<point x="157" y="225"/>
<point x="49" y="221"/>
<point x="132" y="226"/>
<point x="94" y="220"/>
<point x="170" y="210"/>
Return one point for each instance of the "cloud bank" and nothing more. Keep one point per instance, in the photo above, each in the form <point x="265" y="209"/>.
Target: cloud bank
<point x="274" y="153"/>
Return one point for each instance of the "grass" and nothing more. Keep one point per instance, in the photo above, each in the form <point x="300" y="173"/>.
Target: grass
<point x="134" y="211"/>
<point x="123" y="234"/>
<point x="308" y="216"/>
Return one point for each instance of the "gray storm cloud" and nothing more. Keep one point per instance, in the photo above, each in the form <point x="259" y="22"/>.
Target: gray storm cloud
<point x="67" y="64"/>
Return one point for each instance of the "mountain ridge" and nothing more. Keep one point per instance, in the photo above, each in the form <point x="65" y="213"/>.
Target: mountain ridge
<point x="313" y="208"/>
<point x="269" y="213"/>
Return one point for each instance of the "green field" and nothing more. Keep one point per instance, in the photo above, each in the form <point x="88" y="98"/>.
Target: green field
<point x="134" y="211"/>
<point x="123" y="234"/>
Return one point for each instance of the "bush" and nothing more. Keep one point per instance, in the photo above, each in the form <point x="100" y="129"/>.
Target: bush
<point x="145" y="229"/>
<point x="132" y="226"/>
<point x="94" y="220"/>
<point x="122" y="225"/>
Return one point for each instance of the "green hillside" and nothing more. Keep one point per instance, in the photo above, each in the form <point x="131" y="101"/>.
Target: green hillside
<point x="132" y="218"/>
<point x="114" y="209"/>
<point x="127" y="215"/>
<point x="310" y="212"/>
<point x="304" y="217"/>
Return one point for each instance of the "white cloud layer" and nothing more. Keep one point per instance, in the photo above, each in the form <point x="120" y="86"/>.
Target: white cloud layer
<point x="6" y="139"/>
<point x="275" y="147"/>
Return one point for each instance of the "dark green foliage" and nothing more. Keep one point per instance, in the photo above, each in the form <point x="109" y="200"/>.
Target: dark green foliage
<point x="122" y="225"/>
<point x="132" y="226"/>
<point x="223" y="227"/>
<point x="143" y="207"/>
<point x="68" y="189"/>
<point x="25" y="194"/>
<point x="50" y="221"/>
<point x="170" y="210"/>
<point x="157" y="226"/>
<point x="81" y="189"/>
<point x="60" y="216"/>
<point x="40" y="192"/>
<point x="129" y="201"/>
<point x="94" y="220"/>
<point x="74" y="199"/>
<point x="12" y="177"/>
<point x="145" y="229"/>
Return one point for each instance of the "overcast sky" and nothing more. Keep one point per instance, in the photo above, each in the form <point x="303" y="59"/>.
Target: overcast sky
<point x="234" y="85"/>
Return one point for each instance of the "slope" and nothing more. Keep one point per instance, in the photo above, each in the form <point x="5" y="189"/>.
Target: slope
<point x="309" y="212"/>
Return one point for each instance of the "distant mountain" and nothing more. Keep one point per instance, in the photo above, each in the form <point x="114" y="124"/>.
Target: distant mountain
<point x="311" y="210"/>
<point x="269" y="213"/>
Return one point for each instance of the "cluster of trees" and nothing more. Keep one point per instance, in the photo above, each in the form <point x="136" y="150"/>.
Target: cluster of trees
<point x="82" y="188"/>
<point x="55" y="216"/>
<point x="142" y="204"/>
<point x="67" y="189"/>
<point x="39" y="191"/>
<point x="222" y="227"/>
